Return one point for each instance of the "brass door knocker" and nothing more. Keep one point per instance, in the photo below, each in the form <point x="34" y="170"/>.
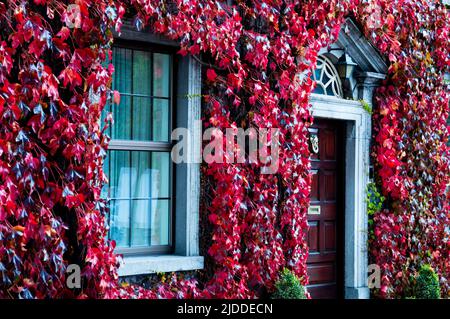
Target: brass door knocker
<point x="314" y="143"/>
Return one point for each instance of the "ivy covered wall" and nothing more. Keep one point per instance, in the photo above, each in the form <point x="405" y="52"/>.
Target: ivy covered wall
<point x="53" y="86"/>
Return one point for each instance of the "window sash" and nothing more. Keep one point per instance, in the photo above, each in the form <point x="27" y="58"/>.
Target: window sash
<point x="153" y="249"/>
<point x="130" y="145"/>
<point x="153" y="50"/>
<point x="146" y="96"/>
<point x="138" y="251"/>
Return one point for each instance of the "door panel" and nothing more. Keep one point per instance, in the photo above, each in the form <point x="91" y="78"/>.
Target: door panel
<point x="325" y="236"/>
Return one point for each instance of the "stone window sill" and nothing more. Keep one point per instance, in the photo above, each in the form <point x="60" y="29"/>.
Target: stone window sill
<point x="141" y="265"/>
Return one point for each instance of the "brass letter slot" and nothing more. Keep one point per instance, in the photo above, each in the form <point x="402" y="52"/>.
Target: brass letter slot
<point x="314" y="210"/>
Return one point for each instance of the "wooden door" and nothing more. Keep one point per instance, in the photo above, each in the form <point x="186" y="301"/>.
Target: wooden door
<point x="325" y="216"/>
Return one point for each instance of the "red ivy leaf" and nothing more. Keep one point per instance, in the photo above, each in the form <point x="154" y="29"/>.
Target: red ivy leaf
<point x="116" y="97"/>
<point x="211" y="75"/>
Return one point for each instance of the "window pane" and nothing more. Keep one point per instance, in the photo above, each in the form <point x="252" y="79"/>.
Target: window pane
<point x="141" y="163"/>
<point x="121" y="174"/>
<point x="122" y="69"/>
<point x="319" y="89"/>
<point x="325" y="78"/>
<point x="161" y="121"/>
<point x="160" y="174"/>
<point x="142" y="72"/>
<point x="160" y="222"/>
<point x="120" y="222"/>
<point x="317" y="73"/>
<point x="140" y="223"/>
<point x="121" y="129"/>
<point x="330" y="90"/>
<point x="161" y="75"/>
<point x="142" y="118"/>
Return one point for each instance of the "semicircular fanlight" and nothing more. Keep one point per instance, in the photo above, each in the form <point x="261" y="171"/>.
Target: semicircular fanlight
<point x="327" y="78"/>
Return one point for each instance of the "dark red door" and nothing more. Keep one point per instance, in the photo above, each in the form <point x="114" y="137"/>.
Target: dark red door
<point x="325" y="216"/>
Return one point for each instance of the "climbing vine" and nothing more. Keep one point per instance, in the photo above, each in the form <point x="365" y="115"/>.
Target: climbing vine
<point x="410" y="152"/>
<point x="375" y="203"/>
<point x="260" y="55"/>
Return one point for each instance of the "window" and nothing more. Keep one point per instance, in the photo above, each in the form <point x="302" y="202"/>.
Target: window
<point x="155" y="230"/>
<point x="327" y="78"/>
<point x="138" y="164"/>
